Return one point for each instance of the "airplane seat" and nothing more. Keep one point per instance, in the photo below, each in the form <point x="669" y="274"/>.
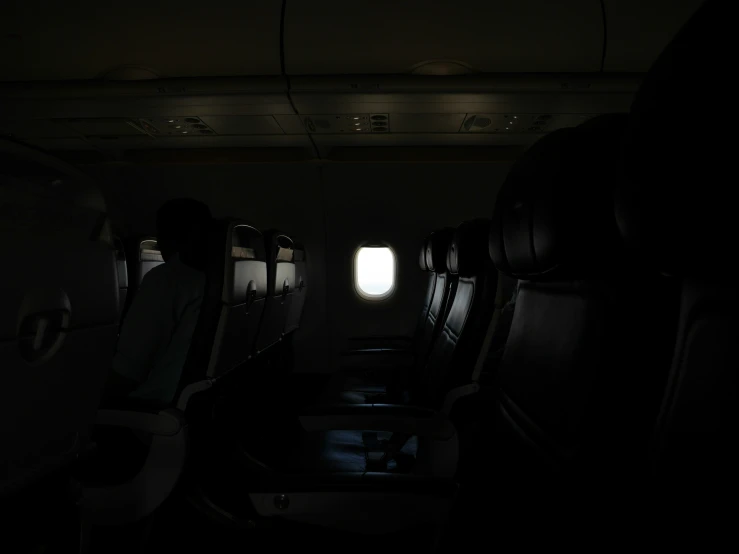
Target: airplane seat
<point x="122" y="267"/>
<point x="675" y="210"/>
<point x="142" y="255"/>
<point x="439" y="292"/>
<point x="243" y="297"/>
<point x="177" y="433"/>
<point x="579" y="382"/>
<point x="59" y="318"/>
<point x="280" y="289"/>
<point x="457" y="352"/>
<point x="301" y="289"/>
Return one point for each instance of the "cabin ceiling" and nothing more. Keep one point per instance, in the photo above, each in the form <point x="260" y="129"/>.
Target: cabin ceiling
<point x="110" y="78"/>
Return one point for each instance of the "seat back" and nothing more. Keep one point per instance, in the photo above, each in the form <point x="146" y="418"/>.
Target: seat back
<point x="59" y="316"/>
<point x="440" y="289"/>
<point x="243" y="296"/>
<point x="677" y="210"/>
<point x="301" y="289"/>
<point x="122" y="267"/>
<point x="466" y="317"/>
<point x="579" y="379"/>
<point x="142" y="255"/>
<point x="280" y="289"/>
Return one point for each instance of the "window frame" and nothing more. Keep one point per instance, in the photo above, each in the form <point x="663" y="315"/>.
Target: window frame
<point x="355" y="273"/>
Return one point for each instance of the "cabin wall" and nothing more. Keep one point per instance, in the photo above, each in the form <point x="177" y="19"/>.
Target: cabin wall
<point x="331" y="209"/>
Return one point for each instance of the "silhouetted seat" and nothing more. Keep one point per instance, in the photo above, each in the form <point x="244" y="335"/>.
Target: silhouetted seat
<point x="580" y="379"/>
<point x="360" y="386"/>
<point x="142" y="255"/>
<point x="243" y="297"/>
<point x="676" y="209"/>
<point x="122" y="267"/>
<point x="59" y="317"/>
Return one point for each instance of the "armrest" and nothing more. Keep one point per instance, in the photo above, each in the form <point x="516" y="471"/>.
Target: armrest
<point x="167" y="423"/>
<point x="411" y="420"/>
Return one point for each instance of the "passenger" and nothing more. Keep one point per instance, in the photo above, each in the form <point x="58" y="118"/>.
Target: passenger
<point x="156" y="333"/>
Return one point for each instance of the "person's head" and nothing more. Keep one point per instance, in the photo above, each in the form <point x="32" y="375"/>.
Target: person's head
<point x="182" y="226"/>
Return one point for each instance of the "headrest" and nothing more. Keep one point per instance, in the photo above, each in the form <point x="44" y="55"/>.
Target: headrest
<point x="279" y="246"/>
<point x="436" y="247"/>
<point x="422" y="256"/>
<point x="246" y="241"/>
<point x="676" y="204"/>
<point x="468" y="252"/>
<point x="554" y="214"/>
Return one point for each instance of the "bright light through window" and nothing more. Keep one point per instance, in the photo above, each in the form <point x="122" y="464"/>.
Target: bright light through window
<point x="374" y="271"/>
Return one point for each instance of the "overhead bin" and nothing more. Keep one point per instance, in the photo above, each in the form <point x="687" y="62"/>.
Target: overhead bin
<point x="638" y="30"/>
<point x="417" y="36"/>
<point x="137" y="39"/>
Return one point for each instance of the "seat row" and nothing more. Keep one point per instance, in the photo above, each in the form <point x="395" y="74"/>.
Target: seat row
<point x="264" y="285"/>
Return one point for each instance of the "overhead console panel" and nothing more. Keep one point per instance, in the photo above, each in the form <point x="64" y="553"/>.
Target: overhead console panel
<point x="441" y="38"/>
<point x="138" y="40"/>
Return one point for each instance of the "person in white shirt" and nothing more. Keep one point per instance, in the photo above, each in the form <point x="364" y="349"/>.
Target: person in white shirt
<point x="157" y="330"/>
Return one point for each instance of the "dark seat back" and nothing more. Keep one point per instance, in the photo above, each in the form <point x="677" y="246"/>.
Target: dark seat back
<point x="225" y="320"/>
<point x="579" y="381"/>
<point x="59" y="318"/>
<point x="440" y="288"/>
<point x="280" y="289"/>
<point x="301" y="289"/>
<point x="122" y="267"/>
<point x="243" y="295"/>
<point x="467" y="315"/>
<point x="677" y="209"/>
<point x="142" y="255"/>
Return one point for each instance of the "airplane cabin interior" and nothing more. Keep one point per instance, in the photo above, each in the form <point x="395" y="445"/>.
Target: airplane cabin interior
<point x="366" y="276"/>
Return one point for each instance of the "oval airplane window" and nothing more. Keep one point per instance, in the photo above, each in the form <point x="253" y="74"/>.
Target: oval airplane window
<point x="374" y="272"/>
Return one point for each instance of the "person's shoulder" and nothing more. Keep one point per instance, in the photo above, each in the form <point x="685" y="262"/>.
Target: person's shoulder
<point x="188" y="276"/>
<point x="158" y="273"/>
